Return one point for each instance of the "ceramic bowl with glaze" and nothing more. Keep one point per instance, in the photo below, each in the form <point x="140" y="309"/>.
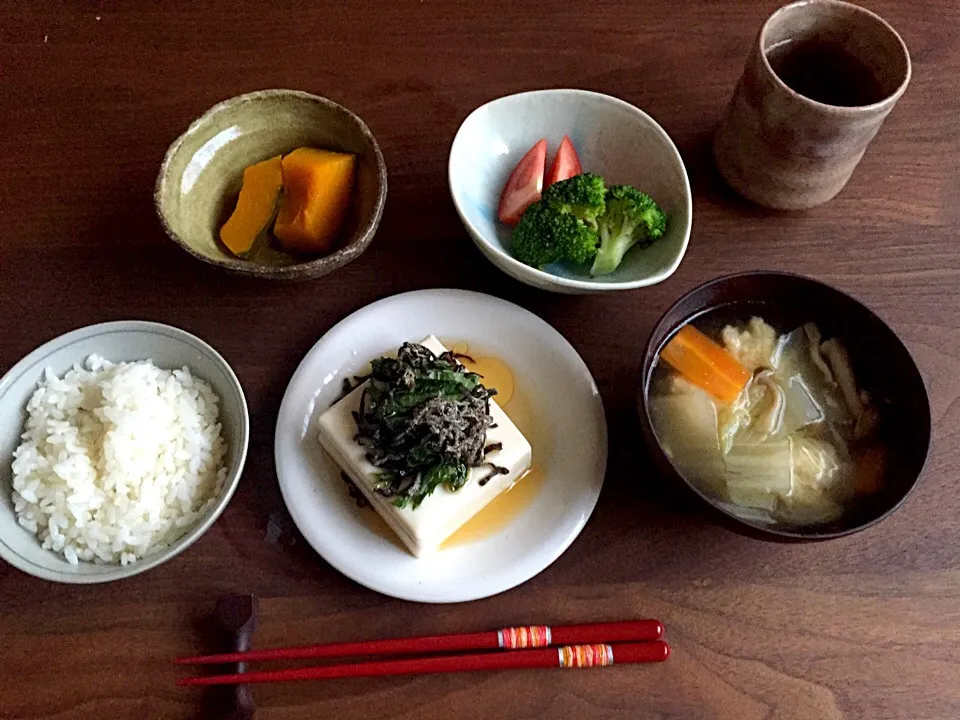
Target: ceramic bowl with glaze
<point x="127" y="341"/>
<point x="203" y="171"/>
<point x="613" y="139"/>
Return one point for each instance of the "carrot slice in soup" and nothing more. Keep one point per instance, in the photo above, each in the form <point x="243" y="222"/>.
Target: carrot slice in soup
<point x="705" y="363"/>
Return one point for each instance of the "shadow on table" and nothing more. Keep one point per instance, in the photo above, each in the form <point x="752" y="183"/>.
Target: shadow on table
<point x="708" y="185"/>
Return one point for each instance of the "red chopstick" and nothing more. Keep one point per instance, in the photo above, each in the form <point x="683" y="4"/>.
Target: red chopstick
<point x="508" y="638"/>
<point x="577" y="656"/>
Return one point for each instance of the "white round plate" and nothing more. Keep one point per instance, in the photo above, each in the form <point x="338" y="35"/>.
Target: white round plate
<point x="569" y="446"/>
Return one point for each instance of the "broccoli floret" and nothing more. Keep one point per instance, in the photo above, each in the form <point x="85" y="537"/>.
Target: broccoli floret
<point x="547" y="234"/>
<point x="583" y="196"/>
<point x="533" y="239"/>
<point x="631" y="218"/>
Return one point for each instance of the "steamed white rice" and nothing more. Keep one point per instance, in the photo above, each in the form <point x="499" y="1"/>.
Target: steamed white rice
<point x="117" y="460"/>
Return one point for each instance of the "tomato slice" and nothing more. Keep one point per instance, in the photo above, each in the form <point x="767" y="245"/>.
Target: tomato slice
<point x="566" y="164"/>
<point x="524" y="185"/>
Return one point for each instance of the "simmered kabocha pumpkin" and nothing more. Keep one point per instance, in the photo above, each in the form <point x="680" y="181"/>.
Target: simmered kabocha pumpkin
<point x="256" y="206"/>
<point x="317" y="185"/>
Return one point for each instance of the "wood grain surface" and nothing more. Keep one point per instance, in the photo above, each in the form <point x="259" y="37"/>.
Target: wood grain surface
<point x="92" y="93"/>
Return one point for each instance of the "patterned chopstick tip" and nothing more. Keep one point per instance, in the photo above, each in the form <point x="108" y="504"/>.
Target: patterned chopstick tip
<point x="585" y="656"/>
<point x="533" y="636"/>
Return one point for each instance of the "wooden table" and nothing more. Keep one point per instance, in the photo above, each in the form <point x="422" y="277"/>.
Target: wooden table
<point x="91" y="94"/>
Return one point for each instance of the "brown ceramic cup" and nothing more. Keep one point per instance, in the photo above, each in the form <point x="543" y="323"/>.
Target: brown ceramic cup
<point x="791" y="140"/>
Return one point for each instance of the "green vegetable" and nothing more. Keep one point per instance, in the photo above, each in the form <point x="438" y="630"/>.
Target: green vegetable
<point x="547" y="234"/>
<point x="631" y="218"/>
<point x="579" y="220"/>
<point x="423" y="420"/>
<point x="453" y="475"/>
<point x="562" y="225"/>
<point x="583" y="196"/>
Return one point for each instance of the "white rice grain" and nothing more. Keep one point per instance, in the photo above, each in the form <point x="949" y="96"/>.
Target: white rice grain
<point x="117" y="460"/>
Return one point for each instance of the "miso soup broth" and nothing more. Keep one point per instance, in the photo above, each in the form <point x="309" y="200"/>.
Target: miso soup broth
<point x="765" y="415"/>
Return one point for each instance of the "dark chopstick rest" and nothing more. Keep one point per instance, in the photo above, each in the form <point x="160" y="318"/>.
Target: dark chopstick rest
<point x="237" y="621"/>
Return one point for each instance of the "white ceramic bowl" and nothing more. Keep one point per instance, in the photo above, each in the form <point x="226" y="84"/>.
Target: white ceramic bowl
<point x="168" y="347"/>
<point x="613" y="139"/>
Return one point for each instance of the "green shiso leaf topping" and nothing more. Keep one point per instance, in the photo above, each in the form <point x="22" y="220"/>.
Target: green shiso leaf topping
<point x="423" y="420"/>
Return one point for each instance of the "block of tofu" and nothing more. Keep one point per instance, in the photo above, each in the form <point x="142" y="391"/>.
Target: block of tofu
<point x="440" y="515"/>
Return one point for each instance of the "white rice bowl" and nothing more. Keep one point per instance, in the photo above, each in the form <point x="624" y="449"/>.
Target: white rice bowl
<point x="117" y="461"/>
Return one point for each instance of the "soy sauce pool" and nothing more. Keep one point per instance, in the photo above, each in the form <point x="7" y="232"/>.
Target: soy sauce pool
<point x="826" y="72"/>
<point x="505" y="509"/>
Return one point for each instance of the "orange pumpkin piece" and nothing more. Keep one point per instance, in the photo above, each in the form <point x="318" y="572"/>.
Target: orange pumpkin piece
<point x="705" y="363"/>
<point x="317" y="185"/>
<point x="255" y="206"/>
